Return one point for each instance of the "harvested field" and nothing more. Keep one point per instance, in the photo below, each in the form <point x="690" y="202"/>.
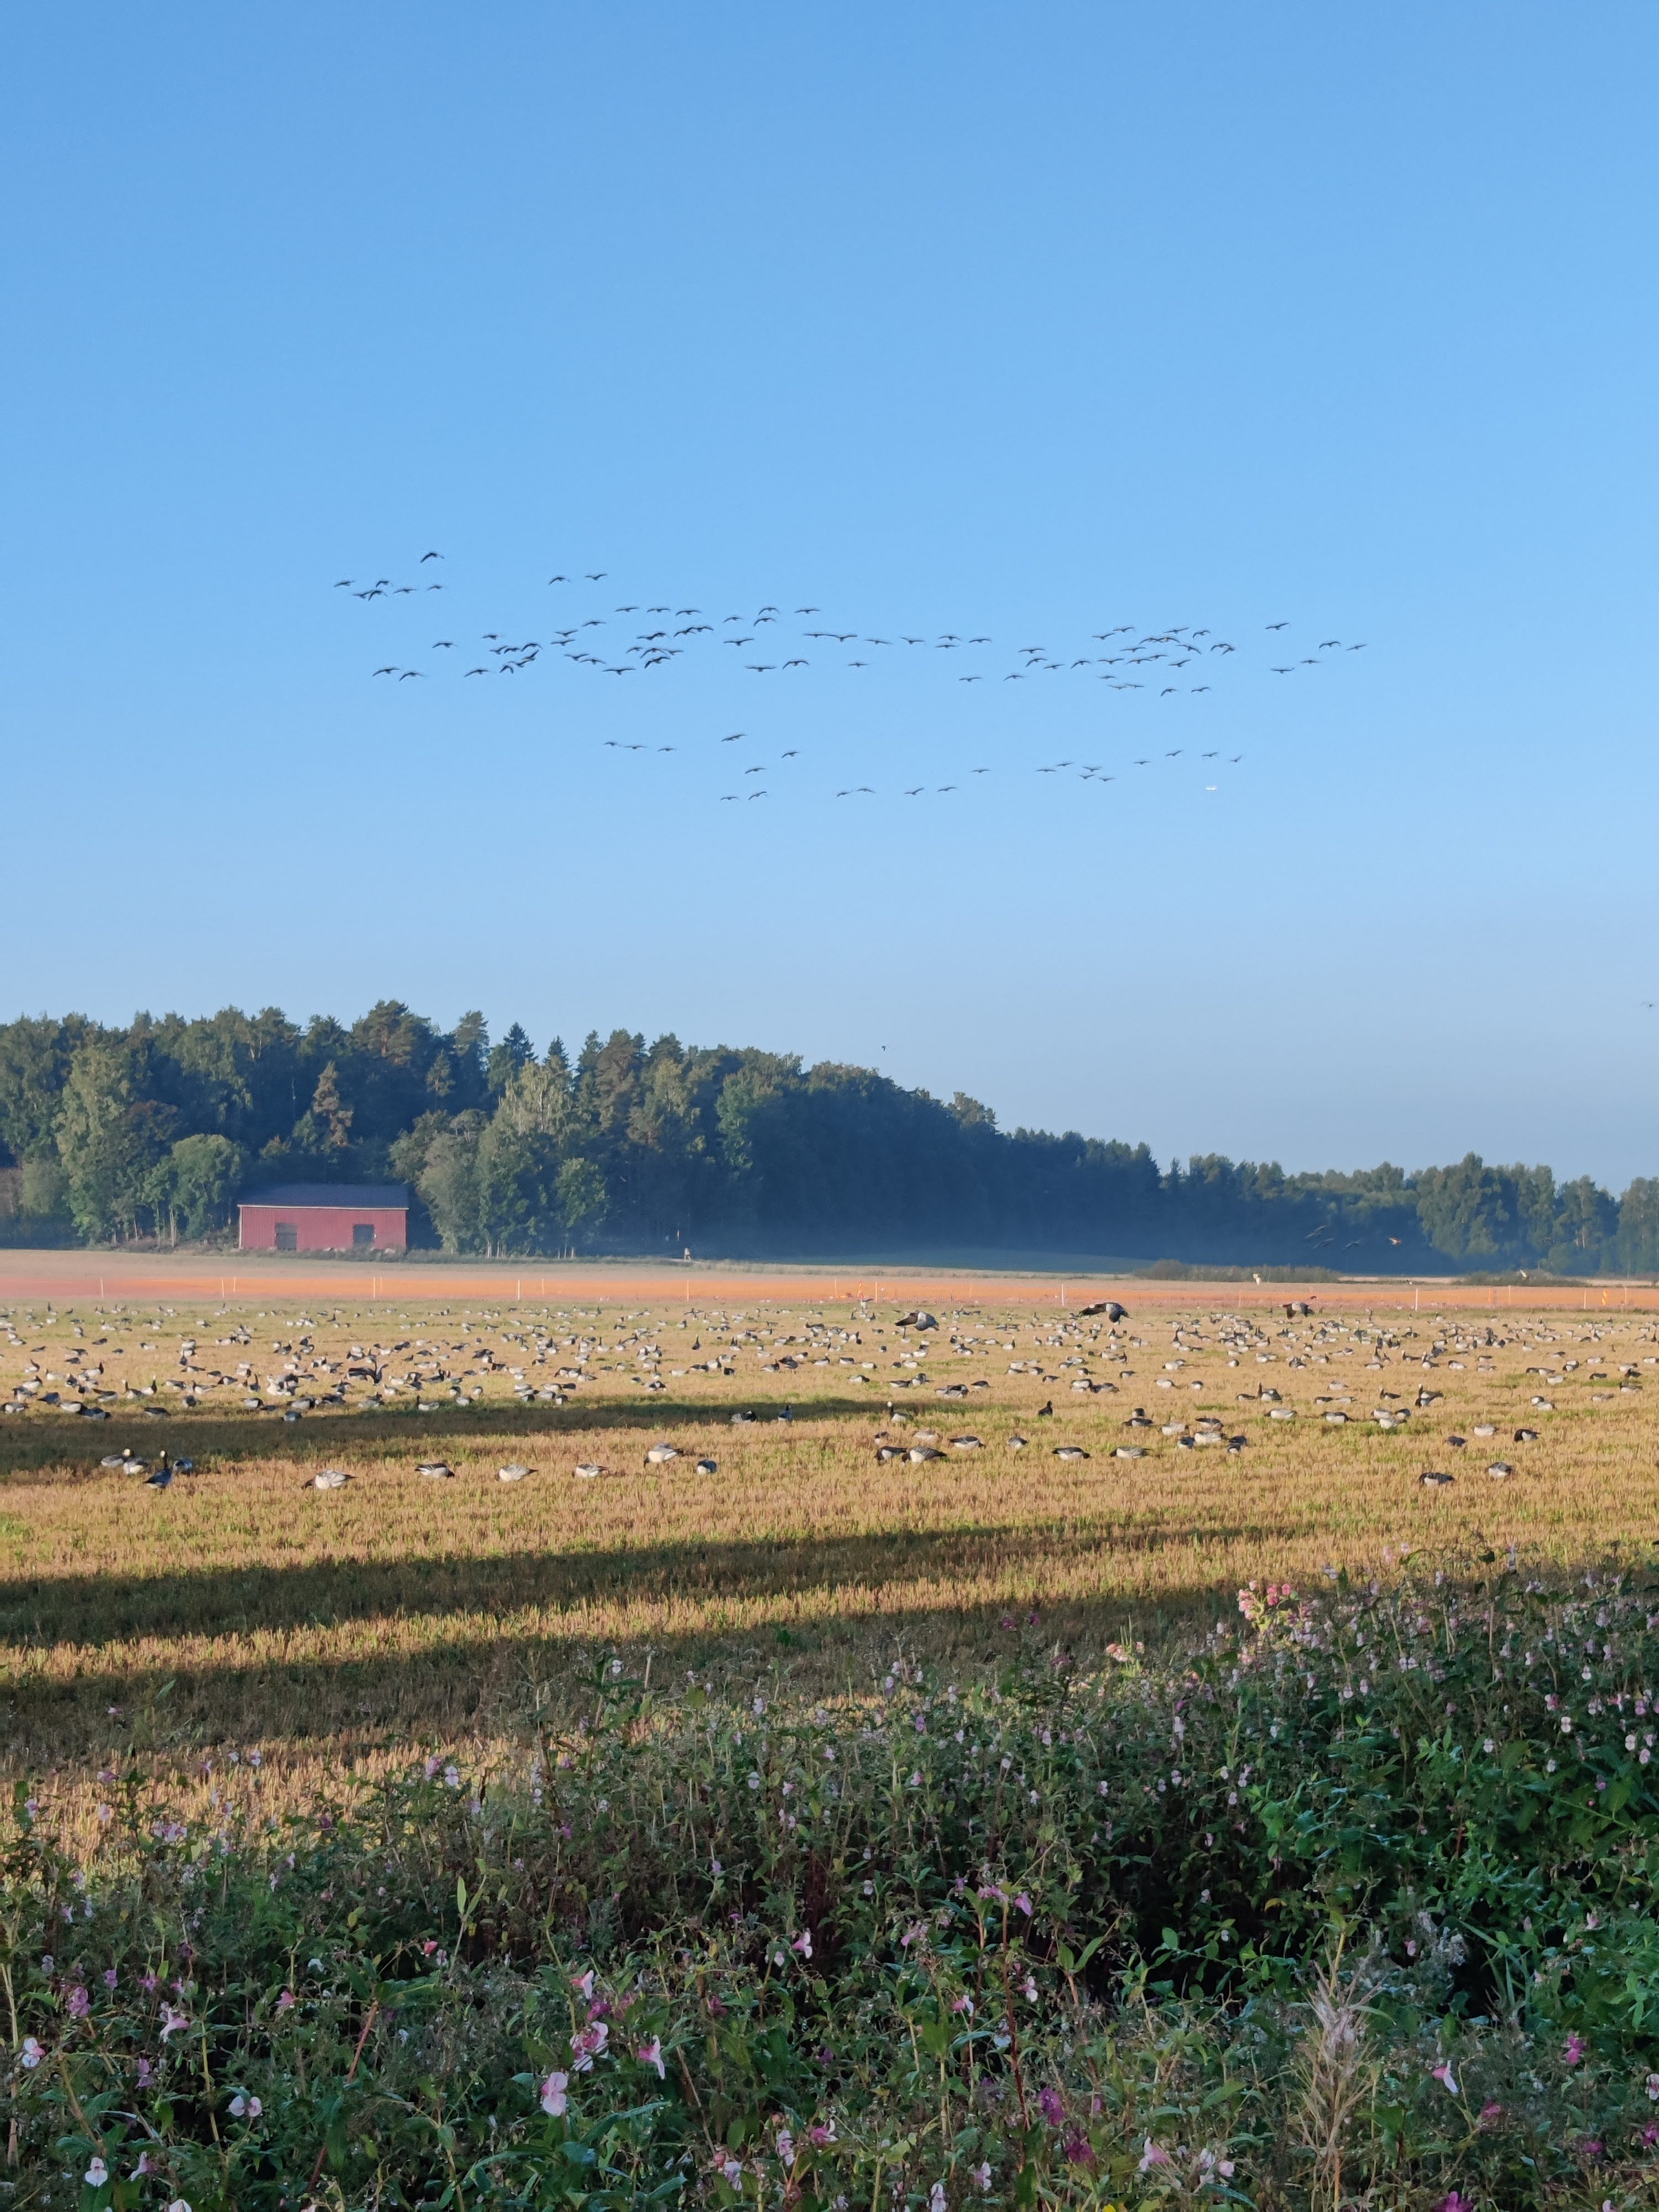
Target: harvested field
<point x="241" y="1608"/>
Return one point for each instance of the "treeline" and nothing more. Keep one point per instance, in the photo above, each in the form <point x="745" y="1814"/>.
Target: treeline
<point x="156" y="1128"/>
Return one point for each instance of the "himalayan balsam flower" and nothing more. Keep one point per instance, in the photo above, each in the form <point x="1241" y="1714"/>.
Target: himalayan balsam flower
<point x="650" y="2054"/>
<point x="177" y="2205"/>
<point x="243" y="2106"/>
<point x="1443" y="2075"/>
<point x="1574" y="2050"/>
<point x="1053" y="2110"/>
<point x="936" y="2198"/>
<point x="802" y="1943"/>
<point x="554" y="2099"/>
<point x="1454" y="2202"/>
<point x="286" y="2001"/>
<point x="172" y="2021"/>
<point x="982" y="2175"/>
<point x="1152" y="2154"/>
<point x="1653" y="2088"/>
<point x="97" y="2174"/>
<point x="821" y="2134"/>
<point x="586" y="2044"/>
<point x="80" y="2005"/>
<point x="32" y="2054"/>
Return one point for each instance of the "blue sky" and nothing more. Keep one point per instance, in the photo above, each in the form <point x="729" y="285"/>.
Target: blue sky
<point x="1006" y="321"/>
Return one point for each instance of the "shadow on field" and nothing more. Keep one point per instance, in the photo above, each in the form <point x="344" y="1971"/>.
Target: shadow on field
<point x="53" y="1446"/>
<point x="496" y="1683"/>
<point x="104" y="1608"/>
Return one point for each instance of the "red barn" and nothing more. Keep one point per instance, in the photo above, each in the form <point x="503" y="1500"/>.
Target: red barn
<point x="326" y="1216"/>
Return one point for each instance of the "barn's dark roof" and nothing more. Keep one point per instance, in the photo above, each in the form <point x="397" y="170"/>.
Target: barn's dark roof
<point x="349" y="1197"/>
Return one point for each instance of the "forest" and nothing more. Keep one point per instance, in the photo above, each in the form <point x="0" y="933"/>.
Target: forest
<point x="153" y="1131"/>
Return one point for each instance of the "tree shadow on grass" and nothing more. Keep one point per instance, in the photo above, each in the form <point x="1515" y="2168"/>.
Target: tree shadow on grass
<point x="503" y="1684"/>
<point x="55" y="1448"/>
<point x="858" y="1569"/>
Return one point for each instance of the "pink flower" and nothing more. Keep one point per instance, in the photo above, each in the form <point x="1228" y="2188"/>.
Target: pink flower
<point x="821" y="2134"/>
<point x="1454" y="2202"/>
<point x="80" y="2005"/>
<point x="1443" y="2074"/>
<point x="286" y="2001"/>
<point x="1491" y="2114"/>
<point x="1053" y="2110"/>
<point x="650" y="2054"/>
<point x="1152" y="2154"/>
<point x="110" y="1978"/>
<point x="97" y="2174"/>
<point x="1022" y="1903"/>
<point x="963" y="2003"/>
<point x="583" y="1985"/>
<point x="1574" y="2050"/>
<point x="150" y="1986"/>
<point x="587" y="2044"/>
<point x="554" y="2099"/>
<point x="802" y="1943"/>
<point x="1079" y="2149"/>
<point x="145" y="2077"/>
<point x="32" y="2053"/>
<point x="172" y="2021"/>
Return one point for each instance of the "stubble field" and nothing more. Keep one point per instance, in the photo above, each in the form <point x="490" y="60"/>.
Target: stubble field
<point x="241" y="1610"/>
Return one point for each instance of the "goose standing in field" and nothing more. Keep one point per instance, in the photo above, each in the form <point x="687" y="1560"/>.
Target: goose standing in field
<point x="436" y="1470"/>
<point x="515" y="1471"/>
<point x="329" y="1478"/>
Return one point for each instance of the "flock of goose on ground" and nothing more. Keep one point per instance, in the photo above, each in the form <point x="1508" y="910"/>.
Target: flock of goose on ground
<point x="483" y="1362"/>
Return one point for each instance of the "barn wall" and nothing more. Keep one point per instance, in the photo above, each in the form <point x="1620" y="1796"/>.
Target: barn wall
<point x="323" y="1228"/>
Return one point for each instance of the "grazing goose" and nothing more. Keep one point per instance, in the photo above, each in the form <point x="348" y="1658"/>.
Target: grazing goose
<point x="659" y="1455"/>
<point x="708" y="1467"/>
<point x="1017" y="1442"/>
<point x="1434" y="1481"/>
<point x="1110" y="1307"/>
<point x="920" y="1452"/>
<point x="1070" y="1451"/>
<point x="1130" y="1451"/>
<point x="515" y="1472"/>
<point x="329" y="1478"/>
<point x="588" y="1468"/>
<point x="1500" y="1468"/>
<point x="436" y="1470"/>
<point x="967" y="1444"/>
<point x="1526" y="1436"/>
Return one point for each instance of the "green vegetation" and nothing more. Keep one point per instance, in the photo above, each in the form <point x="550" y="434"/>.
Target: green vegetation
<point x="153" y="1129"/>
<point x="1348" y="1900"/>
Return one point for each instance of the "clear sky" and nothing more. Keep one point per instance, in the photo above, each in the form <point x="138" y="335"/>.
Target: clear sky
<point x="1006" y="321"/>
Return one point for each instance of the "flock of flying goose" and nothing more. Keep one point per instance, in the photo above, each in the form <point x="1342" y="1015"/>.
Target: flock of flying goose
<point x="1177" y="661"/>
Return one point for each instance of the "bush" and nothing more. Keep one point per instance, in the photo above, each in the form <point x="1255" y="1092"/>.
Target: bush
<point x="1351" y="1896"/>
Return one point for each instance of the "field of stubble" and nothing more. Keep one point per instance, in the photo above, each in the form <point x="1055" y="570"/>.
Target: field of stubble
<point x="241" y="1609"/>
